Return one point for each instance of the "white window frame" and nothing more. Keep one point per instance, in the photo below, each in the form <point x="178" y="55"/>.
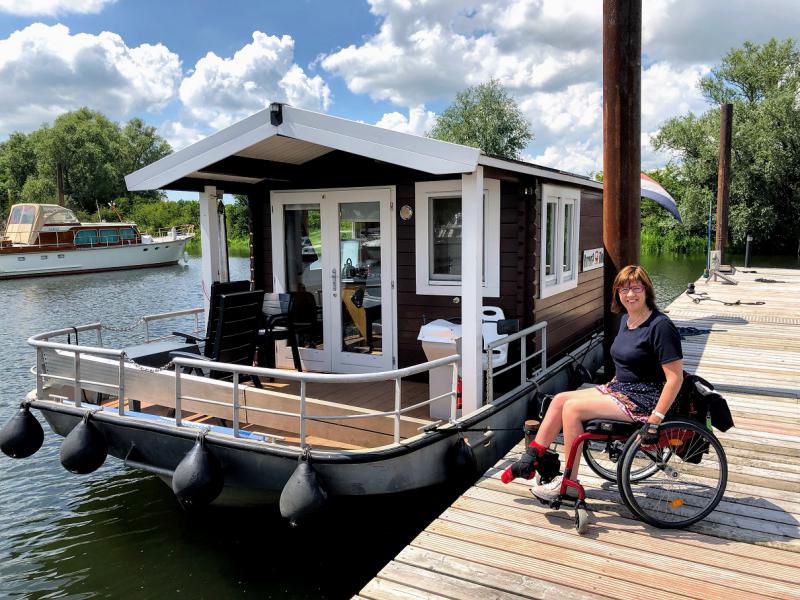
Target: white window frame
<point x="561" y="280"/>
<point x="423" y="192"/>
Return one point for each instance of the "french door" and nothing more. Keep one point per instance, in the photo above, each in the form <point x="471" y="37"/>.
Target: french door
<point x="337" y="245"/>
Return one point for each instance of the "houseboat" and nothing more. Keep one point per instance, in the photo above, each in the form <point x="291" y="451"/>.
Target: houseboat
<point x="47" y="239"/>
<point x="445" y="293"/>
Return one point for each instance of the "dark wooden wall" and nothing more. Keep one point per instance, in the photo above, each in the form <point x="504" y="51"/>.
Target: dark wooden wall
<point x="574" y="314"/>
<point x="519" y="214"/>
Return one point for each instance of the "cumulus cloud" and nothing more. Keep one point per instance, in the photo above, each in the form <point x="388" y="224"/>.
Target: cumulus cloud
<point x="179" y="135"/>
<point x="221" y="91"/>
<point x="419" y="121"/>
<point x="51" y="8"/>
<point x="548" y="54"/>
<point x="46" y="71"/>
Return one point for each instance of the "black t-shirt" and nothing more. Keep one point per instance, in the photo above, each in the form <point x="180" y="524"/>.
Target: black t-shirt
<point x="639" y="353"/>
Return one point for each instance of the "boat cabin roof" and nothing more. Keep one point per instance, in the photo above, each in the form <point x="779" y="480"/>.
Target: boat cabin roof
<point x="263" y="146"/>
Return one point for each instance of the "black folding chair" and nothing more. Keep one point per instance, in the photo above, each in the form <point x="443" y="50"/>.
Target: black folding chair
<point x="217" y="289"/>
<point x="238" y="319"/>
<point x="277" y="326"/>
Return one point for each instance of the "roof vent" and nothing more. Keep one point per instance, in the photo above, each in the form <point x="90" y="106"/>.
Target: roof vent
<point x="276" y="113"/>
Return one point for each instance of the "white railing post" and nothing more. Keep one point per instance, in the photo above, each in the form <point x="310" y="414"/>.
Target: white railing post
<point x="177" y="396"/>
<point x="122" y="385"/>
<point x="100" y="337"/>
<point x="302" y="414"/>
<point x="39" y="373"/>
<point x="523" y="355"/>
<point x="489" y="376"/>
<point x="544" y="349"/>
<point x="454" y="393"/>
<point x="146" y="330"/>
<point x="77" y="375"/>
<point x="235" y="405"/>
<point x="397" y="405"/>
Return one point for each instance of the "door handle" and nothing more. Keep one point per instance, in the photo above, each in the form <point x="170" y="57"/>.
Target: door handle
<point x="334" y="280"/>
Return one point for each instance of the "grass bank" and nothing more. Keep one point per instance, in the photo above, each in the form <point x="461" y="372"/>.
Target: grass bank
<point x="239" y="246"/>
<point x="655" y="242"/>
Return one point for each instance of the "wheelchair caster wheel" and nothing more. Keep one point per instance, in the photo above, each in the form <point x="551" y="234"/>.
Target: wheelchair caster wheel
<point x="581" y="520"/>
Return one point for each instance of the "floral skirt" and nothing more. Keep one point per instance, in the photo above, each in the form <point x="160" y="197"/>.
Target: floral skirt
<point x="637" y="399"/>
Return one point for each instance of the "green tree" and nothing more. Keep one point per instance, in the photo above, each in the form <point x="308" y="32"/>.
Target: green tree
<point x="763" y="84"/>
<point x="486" y="117"/>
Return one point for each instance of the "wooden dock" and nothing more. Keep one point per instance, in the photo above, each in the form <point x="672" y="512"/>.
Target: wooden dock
<point x="496" y="541"/>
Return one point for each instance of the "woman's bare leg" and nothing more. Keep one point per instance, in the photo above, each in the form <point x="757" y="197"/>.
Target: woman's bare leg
<point x="578" y="410"/>
<point x="553" y="420"/>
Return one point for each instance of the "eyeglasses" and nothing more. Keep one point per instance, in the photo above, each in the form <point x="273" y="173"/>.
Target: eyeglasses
<point x="636" y="289"/>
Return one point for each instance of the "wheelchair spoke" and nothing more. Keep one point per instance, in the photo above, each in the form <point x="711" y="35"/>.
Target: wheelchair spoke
<point x="681" y="490"/>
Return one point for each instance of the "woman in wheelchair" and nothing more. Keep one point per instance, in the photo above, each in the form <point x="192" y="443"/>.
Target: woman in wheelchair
<point x="648" y="358"/>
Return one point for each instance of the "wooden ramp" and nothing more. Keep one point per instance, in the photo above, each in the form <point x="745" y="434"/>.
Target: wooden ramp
<point x="496" y="541"/>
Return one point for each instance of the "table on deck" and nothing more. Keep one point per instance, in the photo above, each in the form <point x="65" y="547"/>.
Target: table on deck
<point x="156" y="354"/>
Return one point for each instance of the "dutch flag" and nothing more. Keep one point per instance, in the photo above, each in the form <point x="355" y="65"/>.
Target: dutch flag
<point x="653" y="190"/>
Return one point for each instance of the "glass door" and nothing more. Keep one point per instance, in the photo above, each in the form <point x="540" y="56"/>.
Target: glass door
<point x="335" y="247"/>
<point x="362" y="303"/>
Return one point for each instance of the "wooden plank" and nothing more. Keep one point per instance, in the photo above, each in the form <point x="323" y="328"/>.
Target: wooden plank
<point x="500" y="579"/>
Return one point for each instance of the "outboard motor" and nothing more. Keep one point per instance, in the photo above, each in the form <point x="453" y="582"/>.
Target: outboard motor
<point x="303" y="495"/>
<point x="85" y="448"/>
<point x="22" y="435"/>
<point x="462" y="466"/>
<point x="198" y="478"/>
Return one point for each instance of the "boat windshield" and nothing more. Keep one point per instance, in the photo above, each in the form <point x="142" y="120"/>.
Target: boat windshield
<point x="58" y="215"/>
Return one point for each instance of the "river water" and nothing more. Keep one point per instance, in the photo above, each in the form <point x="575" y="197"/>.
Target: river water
<point x="120" y="533"/>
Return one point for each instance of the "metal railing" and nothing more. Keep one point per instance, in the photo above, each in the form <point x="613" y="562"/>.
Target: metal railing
<point x="304" y="378"/>
<point x="523" y="353"/>
<point x="42" y="342"/>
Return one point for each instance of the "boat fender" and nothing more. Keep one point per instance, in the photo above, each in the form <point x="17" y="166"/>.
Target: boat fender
<point x="22" y="435"/>
<point x="198" y="478"/>
<point x="462" y="466"/>
<point x="85" y="448"/>
<point x="303" y="495"/>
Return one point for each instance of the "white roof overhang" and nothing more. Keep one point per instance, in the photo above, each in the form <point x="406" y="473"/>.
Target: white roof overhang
<point x="541" y="172"/>
<point x="301" y="136"/>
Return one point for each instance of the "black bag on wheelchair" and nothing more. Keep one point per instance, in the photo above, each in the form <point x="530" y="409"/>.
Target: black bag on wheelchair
<point x="699" y="402"/>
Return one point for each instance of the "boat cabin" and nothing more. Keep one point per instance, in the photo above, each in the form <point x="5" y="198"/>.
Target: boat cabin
<point x="42" y="226"/>
<point x="385" y="232"/>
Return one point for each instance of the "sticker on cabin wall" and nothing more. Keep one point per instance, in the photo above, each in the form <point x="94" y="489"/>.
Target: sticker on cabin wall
<point x="592" y="259"/>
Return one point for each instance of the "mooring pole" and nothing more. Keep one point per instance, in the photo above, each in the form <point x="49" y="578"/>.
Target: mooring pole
<point x="622" y="69"/>
<point x="723" y="179"/>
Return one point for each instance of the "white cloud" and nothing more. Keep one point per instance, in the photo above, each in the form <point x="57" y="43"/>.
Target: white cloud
<point x="548" y="54"/>
<point x="418" y="122"/>
<point x="179" y="135"/>
<point x="31" y="8"/>
<point x="46" y="71"/>
<point x="221" y="91"/>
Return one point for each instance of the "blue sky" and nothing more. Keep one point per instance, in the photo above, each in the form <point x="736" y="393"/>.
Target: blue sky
<point x="192" y="67"/>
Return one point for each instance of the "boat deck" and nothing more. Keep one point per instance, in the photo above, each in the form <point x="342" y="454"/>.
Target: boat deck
<point x="496" y="541"/>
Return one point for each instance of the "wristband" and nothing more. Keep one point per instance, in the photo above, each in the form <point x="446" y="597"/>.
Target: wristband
<point x="659" y="415"/>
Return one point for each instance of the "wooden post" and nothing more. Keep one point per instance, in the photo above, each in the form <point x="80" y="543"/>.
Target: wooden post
<point x="723" y="179"/>
<point x="622" y="67"/>
<point x="471" y="290"/>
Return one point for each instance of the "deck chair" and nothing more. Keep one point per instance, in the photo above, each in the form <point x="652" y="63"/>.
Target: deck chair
<point x="277" y="326"/>
<point x="217" y="289"/>
<point x="238" y="319"/>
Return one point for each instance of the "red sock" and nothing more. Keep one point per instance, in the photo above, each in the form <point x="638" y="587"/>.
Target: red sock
<point x="525" y="466"/>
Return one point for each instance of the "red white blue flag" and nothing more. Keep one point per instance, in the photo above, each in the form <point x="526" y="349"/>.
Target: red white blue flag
<point x="653" y="190"/>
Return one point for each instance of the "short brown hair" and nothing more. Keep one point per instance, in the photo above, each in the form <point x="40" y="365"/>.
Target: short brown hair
<point x="635" y="273"/>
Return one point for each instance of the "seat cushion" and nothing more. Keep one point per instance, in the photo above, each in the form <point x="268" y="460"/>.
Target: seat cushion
<point x="611" y="426"/>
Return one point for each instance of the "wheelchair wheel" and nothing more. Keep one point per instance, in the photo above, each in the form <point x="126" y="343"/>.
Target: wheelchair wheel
<point x="689" y="477"/>
<point x="603" y="458"/>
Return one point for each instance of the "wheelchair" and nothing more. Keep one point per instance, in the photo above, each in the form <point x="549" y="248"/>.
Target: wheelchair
<point x="671" y="484"/>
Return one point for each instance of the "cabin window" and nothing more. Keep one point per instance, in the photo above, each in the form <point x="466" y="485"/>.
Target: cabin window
<point x="109" y="236"/>
<point x="28" y="215"/>
<point x="438" y="237"/>
<point x="127" y="234"/>
<point x="559" y="235"/>
<point x="86" y="237"/>
<point x="16" y="215"/>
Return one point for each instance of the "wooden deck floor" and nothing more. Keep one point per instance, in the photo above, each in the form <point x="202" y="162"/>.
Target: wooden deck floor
<point x="495" y="541"/>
